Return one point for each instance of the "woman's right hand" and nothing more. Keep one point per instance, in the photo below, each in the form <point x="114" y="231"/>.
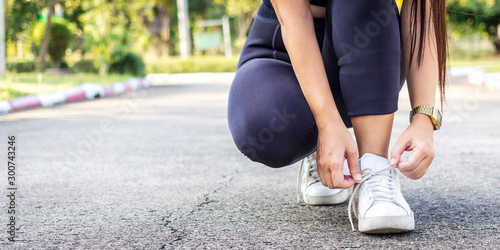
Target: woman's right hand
<point x="335" y="145"/>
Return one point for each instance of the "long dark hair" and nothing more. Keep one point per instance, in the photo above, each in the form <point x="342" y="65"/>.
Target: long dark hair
<point x="418" y="27"/>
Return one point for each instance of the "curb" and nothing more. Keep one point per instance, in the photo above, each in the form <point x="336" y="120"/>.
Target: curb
<point x="86" y="91"/>
<point x="90" y="91"/>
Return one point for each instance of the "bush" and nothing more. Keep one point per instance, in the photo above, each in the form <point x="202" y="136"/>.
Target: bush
<point x="193" y="65"/>
<point x="128" y="63"/>
<point x="60" y="37"/>
<point x="63" y="65"/>
<point x="30" y="66"/>
<point x="85" y="66"/>
<point x="22" y="66"/>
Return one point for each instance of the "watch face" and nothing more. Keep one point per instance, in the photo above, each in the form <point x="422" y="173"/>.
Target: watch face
<point x="436" y="124"/>
<point x="438" y="116"/>
<point x="436" y="119"/>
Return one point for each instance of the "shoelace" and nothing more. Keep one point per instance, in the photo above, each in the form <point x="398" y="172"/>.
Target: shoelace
<point x="380" y="192"/>
<point x="313" y="172"/>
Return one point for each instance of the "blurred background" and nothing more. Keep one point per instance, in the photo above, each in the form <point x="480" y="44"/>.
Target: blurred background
<point x="52" y="45"/>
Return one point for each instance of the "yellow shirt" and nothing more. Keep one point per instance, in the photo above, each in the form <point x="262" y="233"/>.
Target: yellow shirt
<point x="399" y="3"/>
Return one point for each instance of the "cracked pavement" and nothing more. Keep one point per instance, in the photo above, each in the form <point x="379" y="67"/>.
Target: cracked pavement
<point x="157" y="169"/>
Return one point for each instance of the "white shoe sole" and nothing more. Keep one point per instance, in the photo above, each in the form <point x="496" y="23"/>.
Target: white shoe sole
<point x="386" y="224"/>
<point x="327" y="200"/>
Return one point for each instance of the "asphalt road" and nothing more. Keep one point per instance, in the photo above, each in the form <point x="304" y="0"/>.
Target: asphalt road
<point x="158" y="169"/>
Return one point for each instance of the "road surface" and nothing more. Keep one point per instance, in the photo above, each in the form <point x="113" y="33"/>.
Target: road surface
<point x="158" y="169"/>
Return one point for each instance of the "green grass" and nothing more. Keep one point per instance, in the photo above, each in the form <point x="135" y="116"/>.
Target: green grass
<point x="18" y="84"/>
<point x="490" y="62"/>
<point x="13" y="85"/>
<point x="490" y="65"/>
<point x="174" y="64"/>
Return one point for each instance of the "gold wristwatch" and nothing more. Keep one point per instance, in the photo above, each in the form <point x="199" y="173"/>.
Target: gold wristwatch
<point x="432" y="112"/>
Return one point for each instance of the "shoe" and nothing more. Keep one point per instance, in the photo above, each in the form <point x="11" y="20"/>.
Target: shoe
<point x="382" y="208"/>
<point x="311" y="191"/>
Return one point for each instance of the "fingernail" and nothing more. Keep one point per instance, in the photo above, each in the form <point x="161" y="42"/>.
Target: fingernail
<point x="358" y="177"/>
<point x="393" y="161"/>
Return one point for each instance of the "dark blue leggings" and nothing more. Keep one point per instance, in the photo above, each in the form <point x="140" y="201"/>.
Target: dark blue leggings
<point x="268" y="116"/>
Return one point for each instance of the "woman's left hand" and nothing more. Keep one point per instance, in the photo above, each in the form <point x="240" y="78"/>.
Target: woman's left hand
<point x="418" y="138"/>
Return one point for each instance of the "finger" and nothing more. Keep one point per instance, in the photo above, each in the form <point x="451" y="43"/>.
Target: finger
<point x="328" y="181"/>
<point x="347" y="182"/>
<point x="407" y="167"/>
<point x="324" y="175"/>
<point x="353" y="164"/>
<point x="421" y="168"/>
<point x="338" y="177"/>
<point x="399" y="148"/>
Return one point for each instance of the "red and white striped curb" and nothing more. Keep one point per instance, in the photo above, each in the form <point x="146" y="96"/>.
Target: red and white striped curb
<point x="86" y="91"/>
<point x="25" y="102"/>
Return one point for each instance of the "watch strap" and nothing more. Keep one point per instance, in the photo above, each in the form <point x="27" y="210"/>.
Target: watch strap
<point x="432" y="112"/>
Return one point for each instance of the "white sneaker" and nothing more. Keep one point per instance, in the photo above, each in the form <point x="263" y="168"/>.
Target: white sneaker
<point x="311" y="191"/>
<point x="381" y="206"/>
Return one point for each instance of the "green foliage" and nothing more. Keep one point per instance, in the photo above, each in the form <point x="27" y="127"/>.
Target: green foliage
<point x="29" y="66"/>
<point x="472" y="15"/>
<point x="127" y="63"/>
<point x="60" y="37"/>
<point x="242" y="11"/>
<point x="21" y="66"/>
<point x="85" y="66"/>
<point x="63" y="65"/>
<point x="111" y="26"/>
<point x="192" y="65"/>
<point x="98" y="28"/>
<point x="235" y="8"/>
<point x="21" y="16"/>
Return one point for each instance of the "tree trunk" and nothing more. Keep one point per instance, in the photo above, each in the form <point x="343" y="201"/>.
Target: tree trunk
<point x="243" y="23"/>
<point x="46" y="35"/>
<point x="158" y="45"/>
<point x="497" y="46"/>
<point x="165" y="35"/>
<point x="496" y="41"/>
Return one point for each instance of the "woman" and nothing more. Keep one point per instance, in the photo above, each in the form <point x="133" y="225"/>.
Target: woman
<point x="310" y="70"/>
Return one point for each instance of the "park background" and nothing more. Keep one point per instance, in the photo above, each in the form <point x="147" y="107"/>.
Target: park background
<point x="156" y="168"/>
<point x="110" y="41"/>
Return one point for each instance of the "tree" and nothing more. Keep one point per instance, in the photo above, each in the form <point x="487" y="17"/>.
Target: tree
<point x="482" y="14"/>
<point x="243" y="11"/>
<point x="112" y="26"/>
<point x="45" y="40"/>
<point x="59" y="39"/>
<point x="159" y="27"/>
<point x="21" y="15"/>
<point x="73" y="12"/>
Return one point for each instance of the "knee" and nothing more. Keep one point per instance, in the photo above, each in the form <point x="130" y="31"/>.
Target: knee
<point x="272" y="137"/>
<point x="268" y="116"/>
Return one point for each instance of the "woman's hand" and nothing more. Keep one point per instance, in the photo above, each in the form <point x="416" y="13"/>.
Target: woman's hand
<point x="335" y="145"/>
<point x="418" y="138"/>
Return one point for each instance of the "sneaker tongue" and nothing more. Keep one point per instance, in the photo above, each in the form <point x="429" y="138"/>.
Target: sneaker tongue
<point x="373" y="162"/>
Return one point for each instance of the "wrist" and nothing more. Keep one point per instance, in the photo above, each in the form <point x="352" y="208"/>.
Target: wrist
<point x="423" y="121"/>
<point x="433" y="113"/>
<point x="323" y="123"/>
